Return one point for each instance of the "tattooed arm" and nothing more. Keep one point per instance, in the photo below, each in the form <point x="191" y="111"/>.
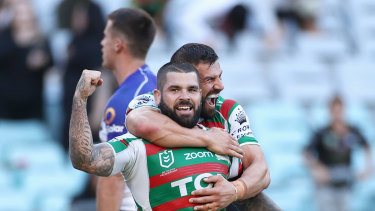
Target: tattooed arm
<point x="95" y="159"/>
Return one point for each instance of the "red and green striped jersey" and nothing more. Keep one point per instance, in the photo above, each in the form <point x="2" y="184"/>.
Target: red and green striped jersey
<point x="229" y="115"/>
<point x="163" y="178"/>
<point x="232" y="117"/>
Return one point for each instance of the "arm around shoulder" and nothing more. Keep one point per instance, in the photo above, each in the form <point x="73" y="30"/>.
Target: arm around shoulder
<point x="144" y="122"/>
<point x="148" y="123"/>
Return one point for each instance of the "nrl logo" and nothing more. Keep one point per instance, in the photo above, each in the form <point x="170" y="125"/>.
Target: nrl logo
<point x="166" y="158"/>
<point x="241" y="117"/>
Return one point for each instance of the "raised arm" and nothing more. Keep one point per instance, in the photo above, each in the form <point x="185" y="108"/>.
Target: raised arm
<point x="150" y="124"/>
<point x="94" y="159"/>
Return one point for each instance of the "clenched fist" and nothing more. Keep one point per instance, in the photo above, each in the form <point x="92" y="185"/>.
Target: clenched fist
<point x="87" y="84"/>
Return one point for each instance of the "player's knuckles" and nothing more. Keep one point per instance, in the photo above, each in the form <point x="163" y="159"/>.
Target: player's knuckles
<point x="87" y="78"/>
<point x="231" y="147"/>
<point x="227" y="145"/>
<point x="91" y="73"/>
<point x="213" y="194"/>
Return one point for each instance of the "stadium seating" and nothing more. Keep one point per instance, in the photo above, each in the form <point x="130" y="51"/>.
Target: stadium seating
<point x="35" y="173"/>
<point x="244" y="80"/>
<point x="356" y="80"/>
<point x="16" y="200"/>
<point x="302" y="80"/>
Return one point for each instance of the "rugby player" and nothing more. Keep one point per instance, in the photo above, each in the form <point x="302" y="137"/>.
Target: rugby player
<point x="159" y="178"/>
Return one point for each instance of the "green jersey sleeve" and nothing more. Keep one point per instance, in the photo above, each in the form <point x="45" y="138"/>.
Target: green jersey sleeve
<point x="145" y="100"/>
<point x="125" y="155"/>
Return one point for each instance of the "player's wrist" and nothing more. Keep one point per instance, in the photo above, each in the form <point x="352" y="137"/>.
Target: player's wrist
<point x="235" y="193"/>
<point x="204" y="137"/>
<point x="240" y="188"/>
<point x="78" y="96"/>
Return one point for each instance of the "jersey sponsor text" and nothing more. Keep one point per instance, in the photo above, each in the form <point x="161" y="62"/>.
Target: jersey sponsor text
<point x="181" y="184"/>
<point x="194" y="155"/>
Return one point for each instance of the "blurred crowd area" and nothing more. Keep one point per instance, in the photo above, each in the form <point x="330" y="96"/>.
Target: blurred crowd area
<point x="282" y="60"/>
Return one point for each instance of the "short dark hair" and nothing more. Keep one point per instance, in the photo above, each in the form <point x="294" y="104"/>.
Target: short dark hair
<point x="195" y="53"/>
<point x="138" y="28"/>
<point x="174" y="67"/>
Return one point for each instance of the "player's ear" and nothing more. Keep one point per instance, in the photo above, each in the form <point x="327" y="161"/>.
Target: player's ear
<point x="119" y="44"/>
<point x="157" y="96"/>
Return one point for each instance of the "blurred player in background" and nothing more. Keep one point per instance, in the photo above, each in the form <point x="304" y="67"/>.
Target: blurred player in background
<point x="127" y="38"/>
<point x="329" y="157"/>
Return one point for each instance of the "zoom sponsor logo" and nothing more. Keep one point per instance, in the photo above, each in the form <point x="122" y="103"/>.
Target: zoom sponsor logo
<point x="194" y="155"/>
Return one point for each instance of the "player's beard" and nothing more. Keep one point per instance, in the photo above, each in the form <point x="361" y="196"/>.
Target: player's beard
<point x="188" y="122"/>
<point x="207" y="112"/>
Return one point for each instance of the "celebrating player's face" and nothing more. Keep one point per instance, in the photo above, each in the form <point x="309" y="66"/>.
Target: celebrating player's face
<point x="107" y="44"/>
<point x="211" y="85"/>
<point x="181" y="98"/>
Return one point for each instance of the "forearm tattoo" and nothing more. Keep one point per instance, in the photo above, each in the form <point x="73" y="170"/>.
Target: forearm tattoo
<point x="94" y="159"/>
<point x="260" y="202"/>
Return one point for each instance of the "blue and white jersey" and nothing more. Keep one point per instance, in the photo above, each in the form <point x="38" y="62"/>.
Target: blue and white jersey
<point x="140" y="82"/>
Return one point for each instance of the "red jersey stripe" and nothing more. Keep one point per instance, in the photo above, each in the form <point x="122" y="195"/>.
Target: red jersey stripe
<point x="176" y="204"/>
<point x="124" y="142"/>
<point x="226" y="107"/>
<point x="240" y="168"/>
<point x="185" y="171"/>
<point x="153" y="149"/>
<point x="213" y="124"/>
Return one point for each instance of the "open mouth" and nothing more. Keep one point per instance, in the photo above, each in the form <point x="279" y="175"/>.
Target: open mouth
<point x="211" y="99"/>
<point x="184" y="108"/>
